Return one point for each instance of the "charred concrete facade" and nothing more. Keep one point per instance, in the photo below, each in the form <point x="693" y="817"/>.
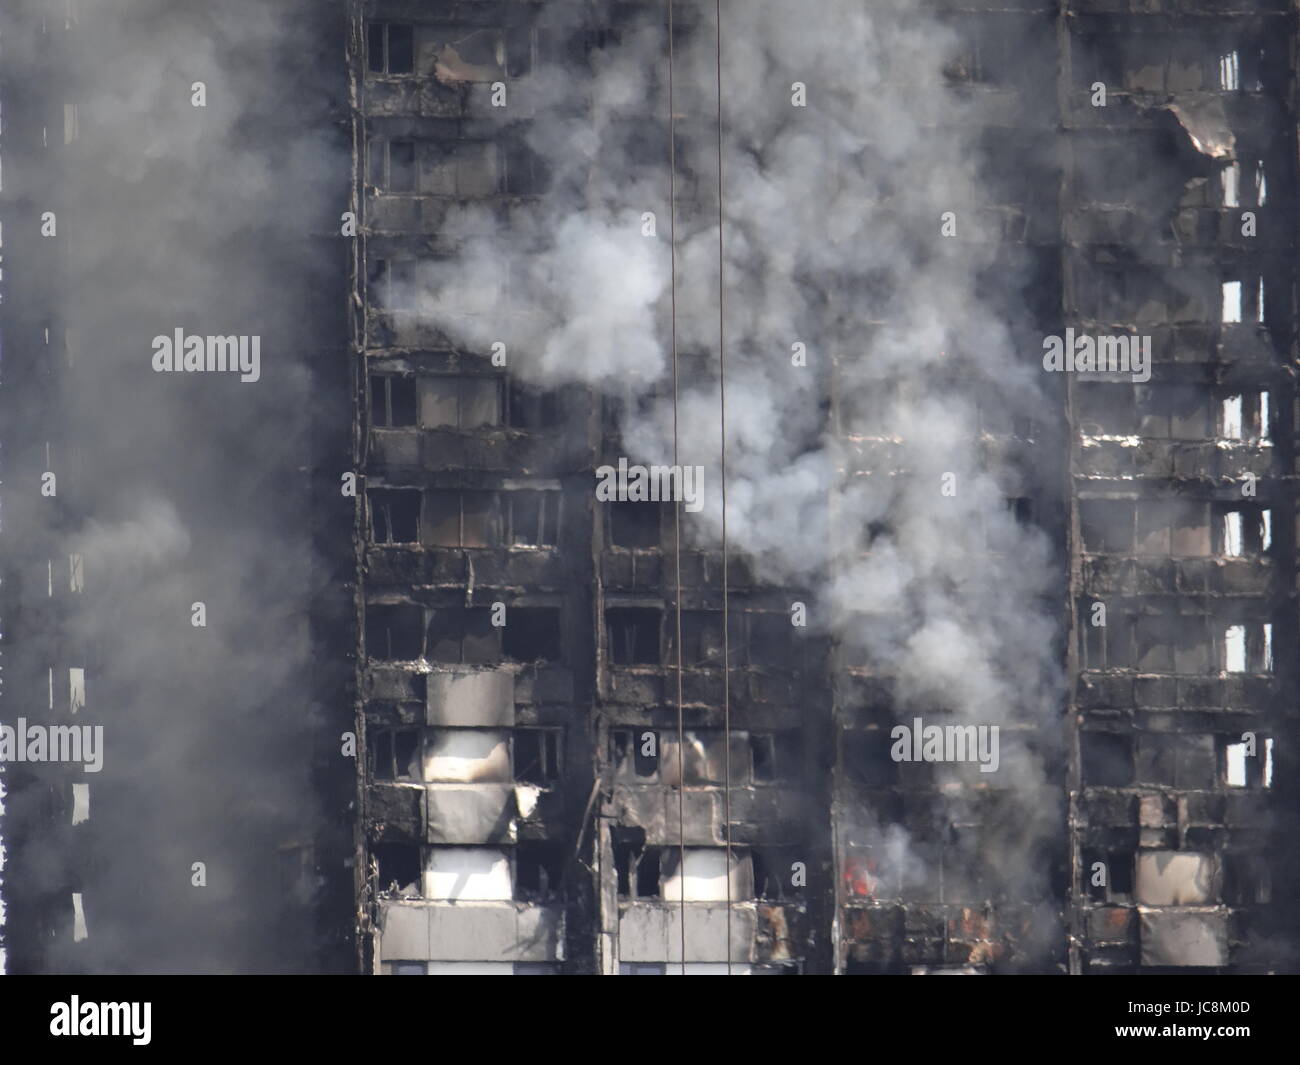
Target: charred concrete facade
<point x="519" y="680"/>
<point x="511" y="816"/>
<point x="586" y="735"/>
<point x="1182" y="488"/>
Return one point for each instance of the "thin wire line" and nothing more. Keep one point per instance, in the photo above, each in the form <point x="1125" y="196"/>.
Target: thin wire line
<point x="677" y="506"/>
<point x="722" y="423"/>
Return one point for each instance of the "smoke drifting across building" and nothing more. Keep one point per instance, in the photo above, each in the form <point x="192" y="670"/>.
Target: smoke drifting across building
<point x="591" y="733"/>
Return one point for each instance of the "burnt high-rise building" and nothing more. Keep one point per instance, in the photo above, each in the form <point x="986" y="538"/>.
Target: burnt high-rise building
<point x="759" y="487"/>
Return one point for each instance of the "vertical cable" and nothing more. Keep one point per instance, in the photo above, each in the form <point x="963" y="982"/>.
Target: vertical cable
<point x="722" y="424"/>
<point x="677" y="504"/>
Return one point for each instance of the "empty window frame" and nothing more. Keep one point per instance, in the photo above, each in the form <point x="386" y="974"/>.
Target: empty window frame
<point x="633" y="525"/>
<point x="1255" y="191"/>
<point x="464" y="635"/>
<point x="703" y="759"/>
<point x="1105" y="409"/>
<point x="532" y="408"/>
<point x="1108" y="646"/>
<point x="539" y="868"/>
<point x="454" y="402"/>
<point x="537" y="755"/>
<point x="392" y="401"/>
<point x="394" y="632"/>
<point x="398" y="868"/>
<point x="392" y="165"/>
<point x="395" y="754"/>
<point x="461" y="168"/>
<point x="774" y="873"/>
<point x="1247" y="647"/>
<point x="390" y="47"/>
<point x="775" y="757"/>
<point x="637" y="867"/>
<point x="1243" y="769"/>
<point x="1106" y="759"/>
<point x="1172" y="644"/>
<point x="462" y="518"/>
<point x="394" y="515"/>
<point x="1107" y="525"/>
<point x="1182" y="644"/>
<point x="1247" y="879"/>
<point x="1173" y="412"/>
<point x="1244" y="530"/>
<point x="1108" y="876"/>
<point x="702" y="638"/>
<point x="514" y="518"/>
<point x="988" y="53"/>
<point x="532" y="634"/>
<point x="634" y="754"/>
<point x="1176" y="761"/>
<point x="532" y="517"/>
<point x="632" y="635"/>
<point x="391" y="283"/>
<point x="1148" y="527"/>
<point x="1246" y="415"/>
<point x="1242" y="301"/>
<point x="523" y="171"/>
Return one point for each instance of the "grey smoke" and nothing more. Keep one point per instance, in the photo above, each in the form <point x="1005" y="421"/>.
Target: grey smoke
<point x="832" y="238"/>
<point x="193" y="488"/>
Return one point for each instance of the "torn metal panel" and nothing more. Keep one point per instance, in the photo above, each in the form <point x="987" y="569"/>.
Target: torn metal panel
<point x="483" y="813"/>
<point x="484" y="699"/>
<point x="1205" y="122"/>
<point x="653" y="932"/>
<point x="1176" y="878"/>
<point x="1184" y="938"/>
<point x="471" y="931"/>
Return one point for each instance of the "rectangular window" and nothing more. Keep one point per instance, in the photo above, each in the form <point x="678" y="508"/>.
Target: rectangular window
<point x="450" y="402"/>
<point x="392" y="164"/>
<point x="464" y="635"/>
<point x="390" y="47"/>
<point x="1247" y="648"/>
<point x="395" y="754"/>
<point x="392" y="401"/>
<point x="394" y="631"/>
<point x="775" y="756"/>
<point x="1245" y="531"/>
<point x="1106" y="759"/>
<point x="394" y="515"/>
<point x="633" y="525"/>
<point x="635" y="754"/>
<point x="637" y="866"/>
<point x="1107" y="525"/>
<point x="399" y="868"/>
<point x="539" y="866"/>
<point x="532" y="408"/>
<point x="532" y="634"/>
<point x="533" y="517"/>
<point x="1108" y="876"/>
<point x="1231" y="314"/>
<point x="633" y="635"/>
<point x="537" y="755"/>
<point x="461" y="519"/>
<point x="392" y="282"/>
<point x="1245" y="416"/>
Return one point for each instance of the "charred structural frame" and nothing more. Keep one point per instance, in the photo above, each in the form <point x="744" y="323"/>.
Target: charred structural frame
<point x="516" y="786"/>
